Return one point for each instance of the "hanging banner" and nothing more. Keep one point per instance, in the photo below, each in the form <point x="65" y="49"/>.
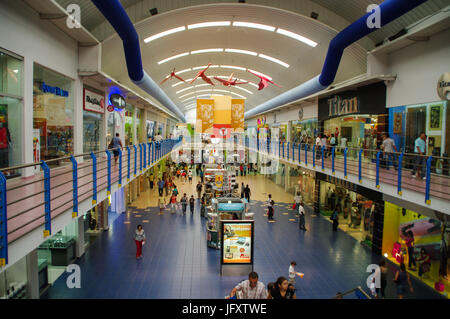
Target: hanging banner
<point x="93" y="102"/>
<point x="237" y="115"/>
<point x="205" y="116"/>
<point x="222" y="109"/>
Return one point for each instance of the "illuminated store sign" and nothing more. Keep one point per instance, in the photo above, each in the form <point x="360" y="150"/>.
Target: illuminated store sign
<point x="117" y="101"/>
<point x="54" y="90"/>
<point x="93" y="102"/>
<point x="339" y="106"/>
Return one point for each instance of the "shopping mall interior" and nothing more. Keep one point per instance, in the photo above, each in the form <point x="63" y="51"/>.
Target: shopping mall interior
<point x="171" y="149"/>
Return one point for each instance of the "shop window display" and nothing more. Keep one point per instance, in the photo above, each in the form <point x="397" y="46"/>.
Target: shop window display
<point x="92" y="128"/>
<point x="431" y="238"/>
<point x="304" y="131"/>
<point x="113" y="125"/>
<point x="14" y="280"/>
<point x="53" y="113"/>
<point x="10" y="113"/>
<point x="129" y="122"/>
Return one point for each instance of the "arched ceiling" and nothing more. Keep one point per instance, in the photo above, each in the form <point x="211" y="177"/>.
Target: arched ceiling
<point x="304" y="61"/>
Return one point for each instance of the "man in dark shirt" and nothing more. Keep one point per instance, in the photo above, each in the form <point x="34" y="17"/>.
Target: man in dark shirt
<point x="160" y="187"/>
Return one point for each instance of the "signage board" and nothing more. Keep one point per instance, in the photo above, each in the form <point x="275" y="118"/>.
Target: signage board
<point x="93" y="102"/>
<point x="117" y="101"/>
<point x="237" y="242"/>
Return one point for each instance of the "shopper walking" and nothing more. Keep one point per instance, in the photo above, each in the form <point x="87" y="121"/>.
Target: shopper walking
<point x="297" y="201"/>
<point x="160" y="187"/>
<point x="382" y="272"/>
<point x="183" y="176"/>
<point x="151" y="180"/>
<point x="184" y="202"/>
<point x="301" y="217"/>
<point x="190" y="176"/>
<point x="409" y="242"/>
<point x="242" y="190"/>
<point x="247" y="193"/>
<point x="201" y="175"/>
<point x="403" y="280"/>
<point x="389" y="148"/>
<point x="335" y="219"/>
<point x="161" y="205"/>
<point x="139" y="238"/>
<point x="199" y="189"/>
<point x="292" y="272"/>
<point x="270" y="205"/>
<point x="281" y="290"/>
<point x="167" y="186"/>
<point x="115" y="144"/>
<point x="250" y="289"/>
<point x="192" y="204"/>
<point x="420" y="148"/>
<point x="202" y="203"/>
<point x="173" y="203"/>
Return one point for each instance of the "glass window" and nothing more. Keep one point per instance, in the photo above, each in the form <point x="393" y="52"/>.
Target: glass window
<point x="138" y="125"/>
<point x="10" y="113"/>
<point x="92" y="130"/>
<point x="53" y="113"/>
<point x="129" y="125"/>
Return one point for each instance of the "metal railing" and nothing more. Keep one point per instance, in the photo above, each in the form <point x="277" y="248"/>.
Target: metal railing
<point x="367" y="164"/>
<point x="29" y="203"/>
<point x="359" y="292"/>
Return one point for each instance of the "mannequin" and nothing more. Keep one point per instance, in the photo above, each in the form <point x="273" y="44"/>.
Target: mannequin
<point x="5" y="141"/>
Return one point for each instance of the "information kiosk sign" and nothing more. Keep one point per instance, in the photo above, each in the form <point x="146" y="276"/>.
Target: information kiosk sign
<point x="237" y="242"/>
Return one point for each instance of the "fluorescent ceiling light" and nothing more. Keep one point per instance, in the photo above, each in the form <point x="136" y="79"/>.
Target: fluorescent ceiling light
<point x="209" y="90"/>
<point x="243" y="97"/>
<point x="253" y="25"/>
<point x="173" y="57"/>
<point x="188" y="88"/>
<point x="199" y="67"/>
<point x="241" y="51"/>
<point x="182" y="96"/>
<point x="224" y="91"/>
<point x="262" y="74"/>
<point x="241" y="88"/>
<point x="273" y="60"/>
<point x="297" y="37"/>
<point x="209" y="24"/>
<point x="233" y="67"/>
<point x="164" y="33"/>
<point x="178" y="83"/>
<point x="183" y="71"/>
<point x="200" y="85"/>
<point x="190" y="98"/>
<point x="253" y="84"/>
<point x="206" y="51"/>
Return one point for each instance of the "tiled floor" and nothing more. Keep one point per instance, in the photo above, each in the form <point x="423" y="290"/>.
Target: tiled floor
<point x="177" y="263"/>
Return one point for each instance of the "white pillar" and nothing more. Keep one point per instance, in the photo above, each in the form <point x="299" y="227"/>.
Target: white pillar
<point x="78" y="118"/>
<point x="27" y="117"/>
<point x="79" y="247"/>
<point x="32" y="275"/>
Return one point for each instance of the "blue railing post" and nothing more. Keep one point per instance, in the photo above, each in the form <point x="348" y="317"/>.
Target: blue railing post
<point x="144" y="151"/>
<point x="257" y="144"/>
<point x="323" y="157"/>
<point x="135" y="160"/>
<point x="306" y="154"/>
<point x="359" y="165"/>
<point x="94" y="178"/>
<point x="128" y="163"/>
<point x="48" y="216"/>
<point x="149" y="154"/>
<point x="279" y="149"/>
<point x="399" y="176"/>
<point x="153" y="152"/>
<point x="428" y="181"/>
<point x="3" y="222"/>
<point x="120" y="167"/>
<point x="108" y="186"/>
<point x="345" y="162"/>
<point x="377" y="178"/>
<point x="287" y="150"/>
<point x="333" y="156"/>
<point x="314" y="155"/>
<point x="140" y="158"/>
<point x="75" y="186"/>
<point x="293" y="152"/>
<point x="299" y="153"/>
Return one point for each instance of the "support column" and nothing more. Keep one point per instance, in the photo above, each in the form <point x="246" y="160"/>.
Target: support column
<point x="78" y="118"/>
<point x="287" y="178"/>
<point x="27" y="117"/>
<point x="104" y="215"/>
<point x="79" y="246"/>
<point x="32" y="275"/>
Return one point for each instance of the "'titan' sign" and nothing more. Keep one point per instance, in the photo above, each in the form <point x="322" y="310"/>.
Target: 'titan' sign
<point x="339" y="106"/>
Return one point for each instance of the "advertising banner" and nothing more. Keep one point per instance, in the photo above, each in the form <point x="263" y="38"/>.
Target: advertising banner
<point x="222" y="109"/>
<point x="93" y="102"/>
<point x="205" y="116"/>
<point x="237" y="115"/>
<point x="237" y="242"/>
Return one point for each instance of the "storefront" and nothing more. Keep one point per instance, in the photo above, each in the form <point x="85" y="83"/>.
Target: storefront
<point x="93" y="115"/>
<point x="139" y="136"/>
<point x="11" y="112"/>
<point x="360" y="209"/>
<point x="150" y="128"/>
<point x="303" y="181"/>
<point x="357" y="119"/>
<point x="407" y="122"/>
<point x="53" y="114"/>
<point x="129" y="124"/>
<point x="304" y="131"/>
<point x="430" y="233"/>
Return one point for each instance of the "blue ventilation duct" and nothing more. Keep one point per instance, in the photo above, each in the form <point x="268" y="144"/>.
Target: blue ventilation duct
<point x="118" y="18"/>
<point x="389" y="11"/>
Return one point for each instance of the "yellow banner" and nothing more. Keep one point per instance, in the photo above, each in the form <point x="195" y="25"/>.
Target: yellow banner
<point x="222" y="109"/>
<point x="205" y="116"/>
<point x="237" y="115"/>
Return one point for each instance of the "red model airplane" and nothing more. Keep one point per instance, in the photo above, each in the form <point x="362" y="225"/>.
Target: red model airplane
<point x="170" y="76"/>
<point x="230" y="81"/>
<point x="203" y="76"/>
<point x="264" y="81"/>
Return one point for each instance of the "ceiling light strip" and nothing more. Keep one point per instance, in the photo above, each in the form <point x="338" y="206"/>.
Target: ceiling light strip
<point x="297" y="37"/>
<point x="209" y="24"/>
<point x="253" y="25"/>
<point x="173" y="57"/>
<point x="241" y="51"/>
<point x="207" y="51"/>
<point x="185" y="89"/>
<point x="164" y="33"/>
<point x="274" y="60"/>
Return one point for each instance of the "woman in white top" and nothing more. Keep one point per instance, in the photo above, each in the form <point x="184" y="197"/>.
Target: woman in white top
<point x="139" y="238"/>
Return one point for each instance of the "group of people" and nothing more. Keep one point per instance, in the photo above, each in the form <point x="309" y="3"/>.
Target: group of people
<point x="245" y="192"/>
<point x="252" y="288"/>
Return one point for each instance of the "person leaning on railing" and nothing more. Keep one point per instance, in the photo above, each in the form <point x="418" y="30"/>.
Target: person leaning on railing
<point x="420" y="149"/>
<point x="115" y="144"/>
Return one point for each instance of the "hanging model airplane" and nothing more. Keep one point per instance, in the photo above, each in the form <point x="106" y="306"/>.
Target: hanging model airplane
<point x="264" y="81"/>
<point x="230" y="81"/>
<point x="170" y="76"/>
<point x="203" y="76"/>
